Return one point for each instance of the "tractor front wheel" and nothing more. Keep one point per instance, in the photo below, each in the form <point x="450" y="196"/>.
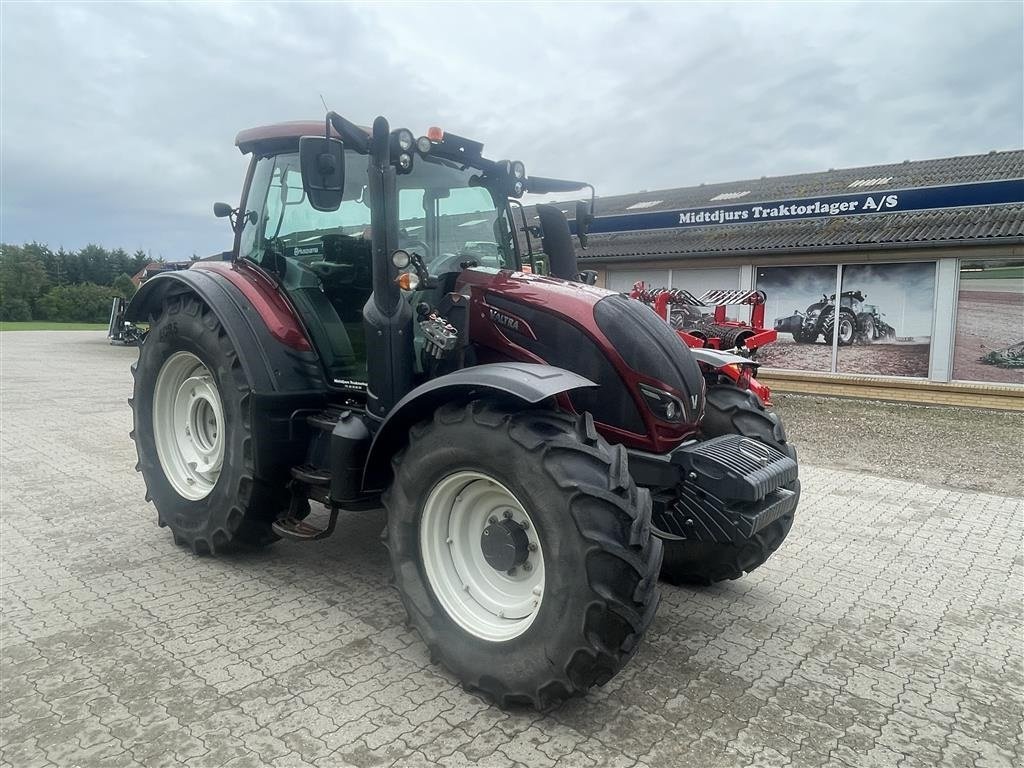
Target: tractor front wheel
<point x="729" y="410"/>
<point x="522" y="550"/>
<point x="193" y="433"/>
<point x="869" y="332"/>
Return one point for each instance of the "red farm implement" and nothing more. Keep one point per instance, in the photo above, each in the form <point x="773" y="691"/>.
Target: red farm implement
<point x="699" y="329"/>
<point x="688" y="315"/>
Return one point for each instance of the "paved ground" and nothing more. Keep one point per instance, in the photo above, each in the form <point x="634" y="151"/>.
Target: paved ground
<point x="887" y="631"/>
<point x="958" y="448"/>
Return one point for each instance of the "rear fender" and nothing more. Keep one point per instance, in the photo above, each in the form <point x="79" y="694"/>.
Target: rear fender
<point x="283" y="380"/>
<point x="272" y="347"/>
<point x="520" y="383"/>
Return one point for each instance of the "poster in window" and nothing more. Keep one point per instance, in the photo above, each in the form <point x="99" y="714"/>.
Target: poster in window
<point x="885" y="319"/>
<point x="989" y="343"/>
<point x="795" y="300"/>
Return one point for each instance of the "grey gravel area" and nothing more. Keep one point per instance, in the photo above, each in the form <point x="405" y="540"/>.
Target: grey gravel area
<point x="968" y="448"/>
<point x="885" y="632"/>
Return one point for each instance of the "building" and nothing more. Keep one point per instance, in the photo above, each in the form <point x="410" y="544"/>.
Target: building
<point x="156" y="267"/>
<point x="935" y="249"/>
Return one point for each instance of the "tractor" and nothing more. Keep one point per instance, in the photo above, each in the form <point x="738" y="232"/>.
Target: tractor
<point x="858" y="322"/>
<point x="543" y="448"/>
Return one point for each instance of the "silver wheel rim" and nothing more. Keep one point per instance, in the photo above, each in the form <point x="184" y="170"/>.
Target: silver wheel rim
<point x="188" y="425"/>
<point x="489" y="604"/>
<point x="845" y="330"/>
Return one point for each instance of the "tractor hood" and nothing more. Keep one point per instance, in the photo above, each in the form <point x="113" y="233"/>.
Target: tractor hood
<point x="651" y="389"/>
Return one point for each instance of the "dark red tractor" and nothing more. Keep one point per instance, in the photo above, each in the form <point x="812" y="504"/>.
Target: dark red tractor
<point x="535" y="441"/>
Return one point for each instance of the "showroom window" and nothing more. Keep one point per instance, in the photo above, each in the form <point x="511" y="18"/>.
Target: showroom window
<point x="989" y="342"/>
<point x="884" y="317"/>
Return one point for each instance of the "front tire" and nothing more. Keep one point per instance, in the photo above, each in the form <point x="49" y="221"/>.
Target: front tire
<point x="730" y="410"/>
<point x="193" y="433"/>
<point x="565" y="600"/>
<point x="847" y="328"/>
<point x="869" y="333"/>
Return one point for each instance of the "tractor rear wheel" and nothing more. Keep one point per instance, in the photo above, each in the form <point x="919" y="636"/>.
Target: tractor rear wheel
<point x="730" y="410"/>
<point x="193" y="433"/>
<point x="522" y="550"/>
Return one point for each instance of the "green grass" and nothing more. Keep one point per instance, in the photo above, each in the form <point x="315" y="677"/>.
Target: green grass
<point x="41" y="325"/>
<point x="994" y="273"/>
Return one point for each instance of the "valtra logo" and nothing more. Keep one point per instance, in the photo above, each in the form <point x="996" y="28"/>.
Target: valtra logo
<point x="506" y="321"/>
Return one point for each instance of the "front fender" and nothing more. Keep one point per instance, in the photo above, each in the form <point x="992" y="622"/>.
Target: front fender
<point x="717" y="359"/>
<point x="525" y="383"/>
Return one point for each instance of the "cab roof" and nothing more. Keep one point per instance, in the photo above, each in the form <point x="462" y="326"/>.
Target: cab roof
<point x="275" y="136"/>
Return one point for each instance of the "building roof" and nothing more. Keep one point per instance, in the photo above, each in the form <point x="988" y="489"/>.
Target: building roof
<point x="996" y="223"/>
<point x="836" y="233"/>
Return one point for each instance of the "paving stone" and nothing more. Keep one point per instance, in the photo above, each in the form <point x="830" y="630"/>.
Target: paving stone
<point x="885" y="632"/>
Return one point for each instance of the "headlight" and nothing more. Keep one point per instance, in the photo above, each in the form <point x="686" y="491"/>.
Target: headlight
<point x="518" y="170"/>
<point x="423" y="144"/>
<point x="405" y="139"/>
<point x="400" y="258"/>
<point x="662" y="404"/>
<point x="404" y="161"/>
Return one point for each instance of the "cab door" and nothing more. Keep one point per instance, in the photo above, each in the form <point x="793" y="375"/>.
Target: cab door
<point x="323" y="260"/>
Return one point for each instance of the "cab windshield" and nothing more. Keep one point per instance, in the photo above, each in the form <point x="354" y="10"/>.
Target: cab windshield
<point x="447" y="217"/>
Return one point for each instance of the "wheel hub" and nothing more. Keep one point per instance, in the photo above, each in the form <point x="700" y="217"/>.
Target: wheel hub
<point x="482" y="555"/>
<point x="188" y="425"/>
<point x="505" y="545"/>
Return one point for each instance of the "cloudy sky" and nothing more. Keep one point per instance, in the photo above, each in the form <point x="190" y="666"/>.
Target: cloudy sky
<point x="118" y="120"/>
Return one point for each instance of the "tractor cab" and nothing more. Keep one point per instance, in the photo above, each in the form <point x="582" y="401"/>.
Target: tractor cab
<point x="438" y="200"/>
<point x="445" y="213"/>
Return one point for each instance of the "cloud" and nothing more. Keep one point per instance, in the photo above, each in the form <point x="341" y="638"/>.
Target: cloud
<point x="118" y="119"/>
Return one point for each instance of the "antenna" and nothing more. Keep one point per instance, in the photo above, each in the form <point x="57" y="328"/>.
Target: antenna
<point x="324" y="102"/>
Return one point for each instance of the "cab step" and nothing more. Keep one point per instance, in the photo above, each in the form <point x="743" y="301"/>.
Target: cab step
<point x="300" y="530"/>
<point x="312" y="476"/>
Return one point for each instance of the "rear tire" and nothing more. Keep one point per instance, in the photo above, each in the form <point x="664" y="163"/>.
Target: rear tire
<point x="589" y="524"/>
<point x="729" y="410"/>
<point x="203" y="484"/>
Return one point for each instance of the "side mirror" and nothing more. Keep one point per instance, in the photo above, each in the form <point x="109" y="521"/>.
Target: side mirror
<point x="322" y="162"/>
<point x="584" y="218"/>
<point x="588" y="277"/>
<point x="222" y="210"/>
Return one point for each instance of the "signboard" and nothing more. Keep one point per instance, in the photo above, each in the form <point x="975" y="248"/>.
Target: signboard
<point x="856" y="204"/>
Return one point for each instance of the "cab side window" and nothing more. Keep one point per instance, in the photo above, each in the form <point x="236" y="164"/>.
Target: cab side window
<point x="323" y="259"/>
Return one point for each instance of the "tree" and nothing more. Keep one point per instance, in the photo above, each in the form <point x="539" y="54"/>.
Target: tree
<point x="22" y="281"/>
<point x="123" y="286"/>
<point x="84" y="303"/>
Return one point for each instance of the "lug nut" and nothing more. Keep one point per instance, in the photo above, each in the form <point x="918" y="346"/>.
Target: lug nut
<point x="525" y="524"/>
<point x="492" y="519"/>
<point x="692" y="476"/>
<point x="527" y="566"/>
<point x="508" y="514"/>
<point x="532" y="547"/>
<point x="511" y="571"/>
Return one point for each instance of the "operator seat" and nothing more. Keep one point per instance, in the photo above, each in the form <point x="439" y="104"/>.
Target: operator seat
<point x="321" y="318"/>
